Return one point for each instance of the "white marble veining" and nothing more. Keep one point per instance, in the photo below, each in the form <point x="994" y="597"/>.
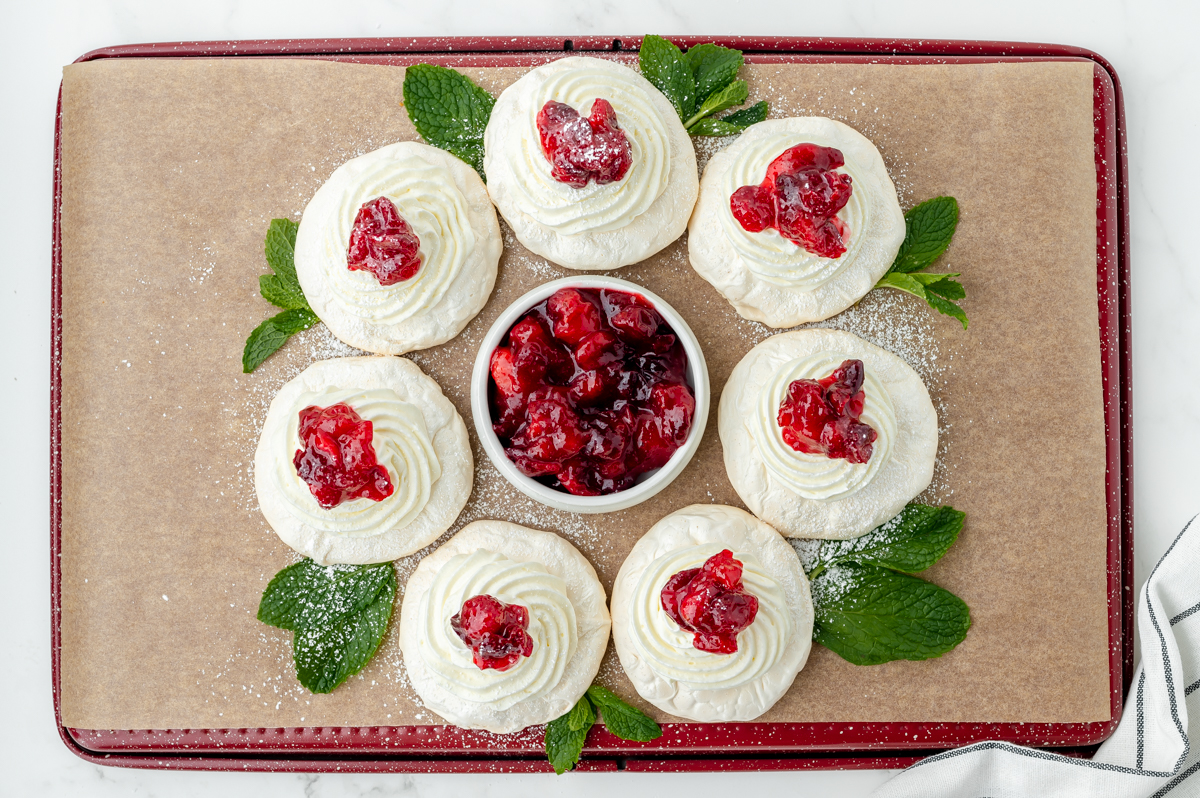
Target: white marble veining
<point x="1151" y="46"/>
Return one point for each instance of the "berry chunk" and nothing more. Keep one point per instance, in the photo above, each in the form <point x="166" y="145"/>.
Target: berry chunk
<point x="821" y="416"/>
<point x="382" y="243"/>
<point x="338" y="459"/>
<point x="800" y="197"/>
<point x="584" y="149"/>
<point x="497" y="633"/>
<point x="711" y="602"/>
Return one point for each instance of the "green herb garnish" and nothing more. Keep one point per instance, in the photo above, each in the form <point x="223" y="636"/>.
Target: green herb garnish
<point x="699" y="83"/>
<point x="869" y="607"/>
<point x="281" y="289"/>
<point x="338" y="613"/>
<point x="565" y="736"/>
<point x="928" y="229"/>
<point x="448" y="110"/>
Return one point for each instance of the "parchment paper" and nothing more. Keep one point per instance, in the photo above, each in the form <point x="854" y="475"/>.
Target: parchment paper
<point x="172" y="170"/>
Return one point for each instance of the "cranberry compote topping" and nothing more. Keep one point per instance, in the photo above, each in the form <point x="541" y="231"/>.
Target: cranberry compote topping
<point x="821" y="416"/>
<point x="495" y="632"/>
<point x="580" y="149"/>
<point x="711" y="603"/>
<point x="589" y="391"/>
<point x="338" y="460"/>
<point x="383" y="244"/>
<point x="799" y="197"/>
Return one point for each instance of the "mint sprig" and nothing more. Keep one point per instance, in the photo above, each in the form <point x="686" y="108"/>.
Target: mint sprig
<point x="870" y="609"/>
<point x="448" y="110"/>
<point x="281" y="289"/>
<point x="700" y="83"/>
<point x="928" y="229"/>
<point x="338" y="614"/>
<point x="565" y="736"/>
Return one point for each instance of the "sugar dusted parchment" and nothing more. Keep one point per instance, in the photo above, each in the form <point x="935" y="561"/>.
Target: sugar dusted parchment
<point x="171" y="172"/>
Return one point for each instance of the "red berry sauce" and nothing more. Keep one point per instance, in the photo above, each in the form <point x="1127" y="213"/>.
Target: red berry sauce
<point x="799" y="197"/>
<point x="589" y="391"/>
<point x="383" y="244"/>
<point x="821" y="416"/>
<point x="495" y="632"/>
<point x="338" y="459"/>
<point x="581" y="149"/>
<point x="711" y="602"/>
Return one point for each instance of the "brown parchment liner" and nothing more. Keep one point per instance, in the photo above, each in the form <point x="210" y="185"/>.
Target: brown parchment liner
<point x="171" y="171"/>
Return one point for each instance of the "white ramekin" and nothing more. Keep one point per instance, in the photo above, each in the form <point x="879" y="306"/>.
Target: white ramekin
<point x="652" y="481"/>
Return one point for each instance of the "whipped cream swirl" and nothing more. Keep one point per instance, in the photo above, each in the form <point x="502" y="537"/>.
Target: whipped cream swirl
<point x="768" y="254"/>
<point x="402" y="446"/>
<point x="815" y="476"/>
<point x="435" y="209"/>
<point x="668" y="649"/>
<point x="551" y="625"/>
<point x="594" y="208"/>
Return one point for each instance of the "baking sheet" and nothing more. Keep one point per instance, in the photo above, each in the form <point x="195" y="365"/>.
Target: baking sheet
<point x="171" y="171"/>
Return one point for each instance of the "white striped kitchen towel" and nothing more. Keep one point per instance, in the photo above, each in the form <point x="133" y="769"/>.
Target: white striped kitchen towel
<point x="1150" y="752"/>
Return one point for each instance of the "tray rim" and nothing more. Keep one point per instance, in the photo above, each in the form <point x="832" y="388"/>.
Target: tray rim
<point x="739" y="747"/>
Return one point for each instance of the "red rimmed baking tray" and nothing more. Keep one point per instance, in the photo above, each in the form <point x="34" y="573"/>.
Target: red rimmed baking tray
<point x="684" y="747"/>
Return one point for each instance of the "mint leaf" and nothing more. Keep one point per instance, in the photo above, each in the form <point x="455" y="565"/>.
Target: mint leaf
<point x="735" y="93"/>
<point x="751" y="115"/>
<point x="730" y="124"/>
<point x="714" y="127"/>
<point x="713" y="67"/>
<point x="326" y="656"/>
<point x="266" y="338"/>
<point x="944" y="286"/>
<point x="621" y="719"/>
<point x="869" y="615"/>
<point x="582" y="715"/>
<point x="448" y="110"/>
<point x="306" y="595"/>
<point x="928" y="229"/>
<point x="280" y="249"/>
<point x="903" y="282"/>
<point x="564" y="743"/>
<point x="664" y="66"/>
<point x="912" y="541"/>
<point x="946" y="307"/>
<point x="280" y="293"/>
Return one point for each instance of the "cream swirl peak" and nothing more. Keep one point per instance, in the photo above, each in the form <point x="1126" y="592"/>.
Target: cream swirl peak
<point x="426" y="198"/>
<point x="595" y="207"/>
<point x="668" y="649"/>
<point x="768" y="277"/>
<point x="402" y="446"/>
<point x="417" y="436"/>
<point x="817" y="476"/>
<point x="552" y="626"/>
<point x="438" y="209"/>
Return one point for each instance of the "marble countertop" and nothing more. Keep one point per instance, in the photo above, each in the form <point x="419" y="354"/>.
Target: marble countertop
<point x="1150" y="46"/>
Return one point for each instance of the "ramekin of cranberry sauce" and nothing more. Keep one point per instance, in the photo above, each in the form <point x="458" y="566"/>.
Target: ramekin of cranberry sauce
<point x="590" y="394"/>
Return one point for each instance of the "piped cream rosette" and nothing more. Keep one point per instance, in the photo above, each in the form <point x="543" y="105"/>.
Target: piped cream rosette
<point x="598" y="226"/>
<point x="765" y="276"/>
<point x="810" y="495"/>
<point x="664" y="666"/>
<point x="568" y="622"/>
<point x="418" y="437"/>
<point x="446" y="205"/>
